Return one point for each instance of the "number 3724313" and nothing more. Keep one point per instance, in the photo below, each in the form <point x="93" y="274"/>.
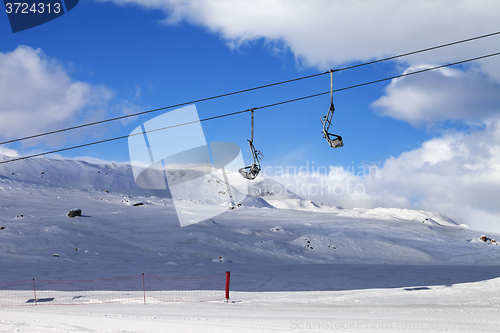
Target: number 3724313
<point x="36" y="8"/>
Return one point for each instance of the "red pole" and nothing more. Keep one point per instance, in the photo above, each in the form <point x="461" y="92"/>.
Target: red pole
<point x="228" y="275"/>
<point x="144" y="288"/>
<point x="34" y="290"/>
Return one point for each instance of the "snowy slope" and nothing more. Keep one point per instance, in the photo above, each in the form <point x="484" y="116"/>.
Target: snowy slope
<point x="300" y="261"/>
<point x="112" y="230"/>
<point x="76" y="175"/>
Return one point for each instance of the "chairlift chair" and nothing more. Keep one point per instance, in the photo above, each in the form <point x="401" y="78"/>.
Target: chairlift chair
<point x="251" y="172"/>
<point x="334" y="140"/>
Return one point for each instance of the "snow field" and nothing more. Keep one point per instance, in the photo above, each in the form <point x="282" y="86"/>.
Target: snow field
<point x="378" y="310"/>
<point x="295" y="265"/>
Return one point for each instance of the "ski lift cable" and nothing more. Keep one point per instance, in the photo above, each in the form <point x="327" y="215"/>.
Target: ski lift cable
<point x="256" y="108"/>
<point x="246" y="90"/>
<point x="418" y="51"/>
<point x="160" y="109"/>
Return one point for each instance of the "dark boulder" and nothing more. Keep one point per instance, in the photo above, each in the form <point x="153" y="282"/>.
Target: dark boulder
<point x="75" y="212"/>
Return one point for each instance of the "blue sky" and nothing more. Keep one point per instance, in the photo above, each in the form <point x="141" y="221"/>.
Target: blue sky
<point x="127" y="50"/>
<point x="109" y="58"/>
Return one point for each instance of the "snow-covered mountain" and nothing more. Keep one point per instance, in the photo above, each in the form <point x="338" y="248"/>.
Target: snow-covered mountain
<point x="73" y="174"/>
<point x="309" y="259"/>
<point x="267" y="229"/>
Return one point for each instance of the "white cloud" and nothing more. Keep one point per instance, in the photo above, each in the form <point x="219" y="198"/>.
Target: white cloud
<point x="125" y="108"/>
<point x="444" y="94"/>
<point x="325" y="33"/>
<point x="37" y="94"/>
<point x="8" y="152"/>
<point x="328" y="33"/>
<point x="456" y="174"/>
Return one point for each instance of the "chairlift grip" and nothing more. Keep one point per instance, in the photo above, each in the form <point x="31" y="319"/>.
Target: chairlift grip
<point x="251" y="110"/>
<point x="331" y="86"/>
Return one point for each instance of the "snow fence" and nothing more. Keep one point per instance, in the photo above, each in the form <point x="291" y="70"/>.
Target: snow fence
<point x="138" y="288"/>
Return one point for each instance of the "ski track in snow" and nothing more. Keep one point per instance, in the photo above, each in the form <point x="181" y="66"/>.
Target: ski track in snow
<point x="295" y="265"/>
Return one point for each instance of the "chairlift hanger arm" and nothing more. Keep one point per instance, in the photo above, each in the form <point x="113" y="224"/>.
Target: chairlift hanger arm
<point x="251" y="172"/>
<point x="334" y="140"/>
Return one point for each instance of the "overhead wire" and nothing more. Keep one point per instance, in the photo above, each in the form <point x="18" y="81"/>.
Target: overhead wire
<point x="416" y="52"/>
<point x="246" y="90"/>
<point x="160" y="109"/>
<point x="254" y="108"/>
